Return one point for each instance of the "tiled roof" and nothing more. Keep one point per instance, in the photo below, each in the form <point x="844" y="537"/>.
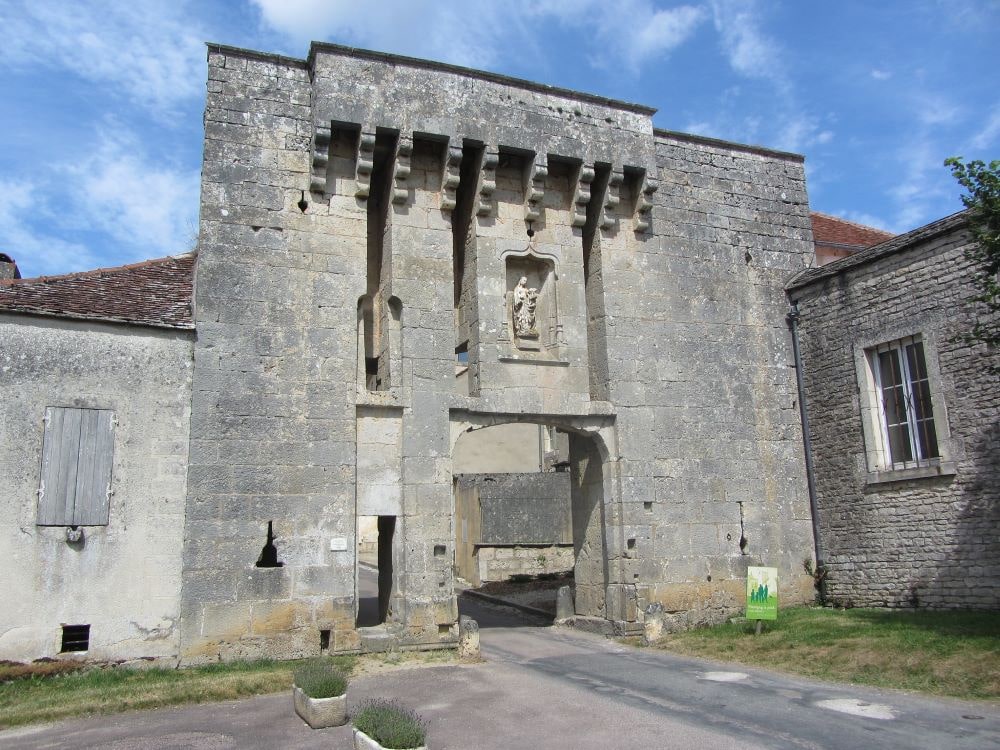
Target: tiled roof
<point x="896" y="244"/>
<point x="837" y="232"/>
<point x="152" y="293"/>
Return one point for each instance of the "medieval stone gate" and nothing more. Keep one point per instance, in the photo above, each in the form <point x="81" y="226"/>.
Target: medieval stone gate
<point x="359" y="250"/>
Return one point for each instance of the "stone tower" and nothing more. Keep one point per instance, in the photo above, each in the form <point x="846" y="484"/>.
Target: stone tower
<point x="368" y="220"/>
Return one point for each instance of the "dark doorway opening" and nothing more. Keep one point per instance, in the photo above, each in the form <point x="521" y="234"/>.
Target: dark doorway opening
<point x="375" y="571"/>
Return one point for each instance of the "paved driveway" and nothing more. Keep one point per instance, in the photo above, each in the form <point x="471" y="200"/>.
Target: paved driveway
<point x="544" y="687"/>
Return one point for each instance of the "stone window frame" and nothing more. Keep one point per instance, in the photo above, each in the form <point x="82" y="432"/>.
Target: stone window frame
<point x="878" y="463"/>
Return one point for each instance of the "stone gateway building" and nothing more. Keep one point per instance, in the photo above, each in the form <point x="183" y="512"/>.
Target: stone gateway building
<point x="396" y="256"/>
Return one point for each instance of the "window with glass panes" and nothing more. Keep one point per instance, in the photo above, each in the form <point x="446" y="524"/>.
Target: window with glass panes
<point x="907" y="418"/>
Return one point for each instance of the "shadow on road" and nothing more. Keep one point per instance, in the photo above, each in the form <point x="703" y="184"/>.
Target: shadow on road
<point x="494" y="615"/>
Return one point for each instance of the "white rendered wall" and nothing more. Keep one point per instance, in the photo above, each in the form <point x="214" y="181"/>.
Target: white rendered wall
<point x="124" y="579"/>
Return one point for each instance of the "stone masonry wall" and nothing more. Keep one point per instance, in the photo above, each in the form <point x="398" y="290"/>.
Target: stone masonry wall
<point x="921" y="542"/>
<point x="700" y="369"/>
<point x="273" y="430"/>
<point x="503" y="563"/>
<point x="510" y="524"/>
<point x="122" y="579"/>
<point x="662" y="337"/>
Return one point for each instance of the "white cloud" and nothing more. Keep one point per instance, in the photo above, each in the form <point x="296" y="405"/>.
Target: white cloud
<point x="753" y="54"/>
<point x="464" y="35"/>
<point x="659" y="31"/>
<point x="120" y="206"/>
<point x="150" y="50"/>
<point x="37" y="252"/>
<point x="479" y="32"/>
<point x="150" y="209"/>
<point x="989" y="134"/>
<point x="750" y="51"/>
<point x="924" y="188"/>
<point x="881" y="75"/>
<point x="969" y="15"/>
<point x="801" y="131"/>
<point x="935" y="109"/>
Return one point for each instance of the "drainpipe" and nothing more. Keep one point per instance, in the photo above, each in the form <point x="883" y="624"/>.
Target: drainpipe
<point x="793" y="324"/>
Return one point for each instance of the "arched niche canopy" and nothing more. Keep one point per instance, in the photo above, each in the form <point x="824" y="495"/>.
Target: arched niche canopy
<point x="531" y="327"/>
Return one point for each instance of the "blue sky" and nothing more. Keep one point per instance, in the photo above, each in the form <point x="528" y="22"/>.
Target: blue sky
<point x="101" y="113"/>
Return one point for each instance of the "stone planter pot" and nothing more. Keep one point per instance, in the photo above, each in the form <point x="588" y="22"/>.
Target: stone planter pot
<point x="363" y="742"/>
<point x="320" y="713"/>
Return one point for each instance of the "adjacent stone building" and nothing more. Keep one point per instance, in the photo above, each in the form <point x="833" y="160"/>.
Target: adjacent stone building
<point x="394" y="253"/>
<point x="904" y="419"/>
<point x="96" y="373"/>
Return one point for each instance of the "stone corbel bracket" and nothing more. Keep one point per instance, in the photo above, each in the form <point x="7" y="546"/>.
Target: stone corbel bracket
<point x="401" y="169"/>
<point x="581" y="195"/>
<point x="612" y="198"/>
<point x="320" y="160"/>
<point x="487" y="182"/>
<point x="644" y="203"/>
<point x="365" y="163"/>
<point x="535" y="191"/>
<point x="451" y="177"/>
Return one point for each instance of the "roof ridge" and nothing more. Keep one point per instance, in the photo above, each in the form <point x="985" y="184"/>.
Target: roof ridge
<point x="894" y="244"/>
<point x="99" y="271"/>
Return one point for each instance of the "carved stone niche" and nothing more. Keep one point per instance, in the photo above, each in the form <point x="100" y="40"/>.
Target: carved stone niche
<point x="531" y="327"/>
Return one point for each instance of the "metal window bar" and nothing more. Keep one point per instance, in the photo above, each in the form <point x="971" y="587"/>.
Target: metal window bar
<point x="921" y="407"/>
<point x="75" y="638"/>
<point x="907" y="433"/>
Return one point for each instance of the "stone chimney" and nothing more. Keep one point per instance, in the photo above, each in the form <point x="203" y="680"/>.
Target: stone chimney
<point x="8" y="268"/>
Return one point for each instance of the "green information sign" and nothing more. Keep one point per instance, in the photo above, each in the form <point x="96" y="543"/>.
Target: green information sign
<point x="762" y="593"/>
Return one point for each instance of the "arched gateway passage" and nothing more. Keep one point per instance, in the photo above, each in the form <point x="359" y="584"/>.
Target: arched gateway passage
<point x="537" y="495"/>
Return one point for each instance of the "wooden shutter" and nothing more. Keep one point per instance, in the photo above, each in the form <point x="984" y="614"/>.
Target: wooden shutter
<point x="60" y="454"/>
<point x="77" y="451"/>
<point x="93" y="479"/>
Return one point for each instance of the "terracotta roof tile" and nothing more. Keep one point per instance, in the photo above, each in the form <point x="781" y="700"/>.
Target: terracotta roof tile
<point x="152" y="293"/>
<point x="837" y="232"/>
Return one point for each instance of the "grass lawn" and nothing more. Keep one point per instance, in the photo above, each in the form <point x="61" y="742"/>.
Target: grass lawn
<point x="941" y="653"/>
<point x="44" y="693"/>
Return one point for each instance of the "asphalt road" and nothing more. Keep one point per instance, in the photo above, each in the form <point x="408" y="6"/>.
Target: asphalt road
<point x="543" y="687"/>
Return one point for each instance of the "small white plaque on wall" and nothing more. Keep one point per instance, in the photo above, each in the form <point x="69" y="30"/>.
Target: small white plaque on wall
<point x="338" y="544"/>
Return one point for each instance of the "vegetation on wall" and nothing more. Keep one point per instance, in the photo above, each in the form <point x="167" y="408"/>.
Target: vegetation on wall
<point x="982" y="198"/>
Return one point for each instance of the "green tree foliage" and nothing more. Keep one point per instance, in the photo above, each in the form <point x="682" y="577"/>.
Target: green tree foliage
<point x="982" y="197"/>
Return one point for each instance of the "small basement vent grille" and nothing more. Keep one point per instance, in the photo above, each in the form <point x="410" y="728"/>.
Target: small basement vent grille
<point x="75" y="638"/>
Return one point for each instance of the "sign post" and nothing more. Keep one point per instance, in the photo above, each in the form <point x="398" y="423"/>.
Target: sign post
<point x="762" y="595"/>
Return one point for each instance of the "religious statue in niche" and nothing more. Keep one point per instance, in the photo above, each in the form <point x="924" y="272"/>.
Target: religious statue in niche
<point x="525" y="301"/>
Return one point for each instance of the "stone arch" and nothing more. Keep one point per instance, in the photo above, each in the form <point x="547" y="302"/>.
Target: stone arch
<point x="595" y="499"/>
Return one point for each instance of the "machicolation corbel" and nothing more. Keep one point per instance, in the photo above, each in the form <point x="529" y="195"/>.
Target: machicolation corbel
<point x="488" y="182"/>
<point x="612" y="198"/>
<point x="644" y="203"/>
<point x="365" y="164"/>
<point x="581" y="195"/>
<point x="401" y="169"/>
<point x="320" y="159"/>
<point x="534" y="192"/>
<point x="451" y="176"/>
